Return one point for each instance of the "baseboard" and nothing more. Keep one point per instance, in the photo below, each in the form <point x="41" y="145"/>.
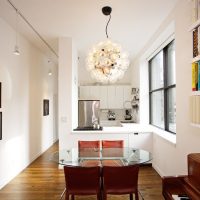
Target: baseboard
<point x="158" y="170"/>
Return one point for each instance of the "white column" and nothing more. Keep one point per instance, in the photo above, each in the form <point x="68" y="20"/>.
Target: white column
<point x="68" y="90"/>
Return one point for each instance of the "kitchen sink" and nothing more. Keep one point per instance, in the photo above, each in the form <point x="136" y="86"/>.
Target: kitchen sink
<point x="110" y="123"/>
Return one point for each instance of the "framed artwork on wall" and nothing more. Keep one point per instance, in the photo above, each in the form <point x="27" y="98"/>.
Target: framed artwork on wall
<point x="0" y="125"/>
<point x="45" y="107"/>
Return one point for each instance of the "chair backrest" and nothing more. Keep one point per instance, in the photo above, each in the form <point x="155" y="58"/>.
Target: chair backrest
<point x="194" y="168"/>
<point x="89" y="148"/>
<point x="112" y="143"/>
<point x="108" y="145"/>
<point x="82" y="179"/>
<point x="120" y="178"/>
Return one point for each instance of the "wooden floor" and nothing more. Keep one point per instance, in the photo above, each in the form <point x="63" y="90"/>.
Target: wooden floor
<point x="42" y="180"/>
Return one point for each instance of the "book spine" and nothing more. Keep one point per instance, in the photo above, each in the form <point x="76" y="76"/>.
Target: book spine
<point x="195" y="42"/>
<point x="198" y="75"/>
<point x="198" y="39"/>
<point x="194" y="76"/>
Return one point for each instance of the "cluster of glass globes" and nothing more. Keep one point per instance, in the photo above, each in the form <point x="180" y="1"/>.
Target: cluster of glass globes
<point x="106" y="62"/>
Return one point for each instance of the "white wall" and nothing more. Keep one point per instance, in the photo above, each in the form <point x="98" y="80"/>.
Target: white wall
<point x="170" y="159"/>
<point x="25" y="83"/>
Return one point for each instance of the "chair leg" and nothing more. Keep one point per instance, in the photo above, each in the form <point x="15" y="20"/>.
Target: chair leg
<point x="136" y="195"/>
<point x="104" y="196"/>
<point x="99" y="196"/>
<point x="131" y="196"/>
<point x="66" y="196"/>
<point x="72" y="197"/>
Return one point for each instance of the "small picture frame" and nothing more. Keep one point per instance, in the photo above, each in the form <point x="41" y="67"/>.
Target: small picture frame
<point x="0" y="125"/>
<point x="45" y="107"/>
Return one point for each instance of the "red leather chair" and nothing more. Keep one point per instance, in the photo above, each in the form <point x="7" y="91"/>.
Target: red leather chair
<point x="112" y="143"/>
<point x="89" y="149"/>
<point x="107" y="146"/>
<point x="82" y="181"/>
<point x="120" y="180"/>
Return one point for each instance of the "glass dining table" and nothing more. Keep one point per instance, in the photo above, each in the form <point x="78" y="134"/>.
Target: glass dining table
<point x="75" y="156"/>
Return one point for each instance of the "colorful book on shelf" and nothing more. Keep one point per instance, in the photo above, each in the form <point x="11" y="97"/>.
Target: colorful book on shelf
<point x="194" y="76"/>
<point x="195" y="42"/>
<point x="198" y="76"/>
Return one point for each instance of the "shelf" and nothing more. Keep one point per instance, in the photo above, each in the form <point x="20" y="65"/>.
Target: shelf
<point x="196" y="125"/>
<point x="194" y="25"/>
<point x="196" y="59"/>
<point x="195" y="93"/>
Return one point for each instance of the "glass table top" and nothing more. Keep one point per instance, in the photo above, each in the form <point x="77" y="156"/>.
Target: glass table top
<point x="75" y="156"/>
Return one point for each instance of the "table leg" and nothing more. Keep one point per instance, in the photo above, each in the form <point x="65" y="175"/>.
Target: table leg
<point x="61" y="196"/>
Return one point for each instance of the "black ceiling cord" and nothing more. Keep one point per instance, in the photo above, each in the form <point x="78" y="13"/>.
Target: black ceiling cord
<point x="106" y="11"/>
<point x="107" y="26"/>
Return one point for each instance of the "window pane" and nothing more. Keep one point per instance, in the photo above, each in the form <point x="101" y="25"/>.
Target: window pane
<point x="157" y="71"/>
<point x="157" y="109"/>
<point x="171" y="107"/>
<point x="171" y="79"/>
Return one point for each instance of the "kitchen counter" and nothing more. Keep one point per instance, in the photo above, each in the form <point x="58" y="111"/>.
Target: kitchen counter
<point x="125" y="128"/>
<point x="133" y="134"/>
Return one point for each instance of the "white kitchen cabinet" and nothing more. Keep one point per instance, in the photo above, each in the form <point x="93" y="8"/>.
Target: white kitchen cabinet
<point x="119" y="97"/>
<point x="141" y="140"/>
<point x="94" y="92"/>
<point x="84" y="92"/>
<point x="89" y="93"/>
<point x="111" y="97"/>
<point x="103" y="97"/>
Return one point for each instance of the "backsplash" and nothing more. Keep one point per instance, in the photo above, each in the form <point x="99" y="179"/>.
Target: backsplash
<point x="119" y="114"/>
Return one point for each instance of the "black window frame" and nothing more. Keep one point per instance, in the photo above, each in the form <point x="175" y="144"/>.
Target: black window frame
<point x="165" y="89"/>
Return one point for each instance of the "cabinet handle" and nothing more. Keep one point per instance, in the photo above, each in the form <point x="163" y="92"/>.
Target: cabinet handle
<point x="136" y="133"/>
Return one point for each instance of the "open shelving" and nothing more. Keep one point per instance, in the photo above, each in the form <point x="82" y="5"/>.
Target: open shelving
<point x="195" y="95"/>
<point x="194" y="25"/>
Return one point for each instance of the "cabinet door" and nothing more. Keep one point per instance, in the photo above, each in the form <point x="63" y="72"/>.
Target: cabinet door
<point x="119" y="97"/>
<point x="111" y="97"/>
<point x="94" y="93"/>
<point x="84" y="92"/>
<point x="127" y="97"/>
<point x="103" y="97"/>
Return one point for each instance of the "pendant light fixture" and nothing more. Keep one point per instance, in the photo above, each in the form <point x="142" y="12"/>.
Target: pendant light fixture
<point x="106" y="61"/>
<point x="16" y="48"/>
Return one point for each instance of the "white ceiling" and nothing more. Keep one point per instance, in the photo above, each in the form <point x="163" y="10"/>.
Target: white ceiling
<point x="132" y="25"/>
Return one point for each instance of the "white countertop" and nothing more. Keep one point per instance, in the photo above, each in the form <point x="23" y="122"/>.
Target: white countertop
<point x="128" y="128"/>
<point x="125" y="128"/>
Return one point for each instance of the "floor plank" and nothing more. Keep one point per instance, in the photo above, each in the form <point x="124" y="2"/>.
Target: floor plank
<point x="42" y="180"/>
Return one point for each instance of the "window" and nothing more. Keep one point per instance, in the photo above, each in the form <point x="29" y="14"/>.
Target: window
<point x="162" y="93"/>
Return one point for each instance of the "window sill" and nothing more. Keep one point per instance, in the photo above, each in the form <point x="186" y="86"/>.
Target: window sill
<point x="164" y="134"/>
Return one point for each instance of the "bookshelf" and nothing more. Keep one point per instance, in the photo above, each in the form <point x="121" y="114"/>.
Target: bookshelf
<point x="196" y="93"/>
<point x="194" y="25"/>
<point x="195" y="65"/>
